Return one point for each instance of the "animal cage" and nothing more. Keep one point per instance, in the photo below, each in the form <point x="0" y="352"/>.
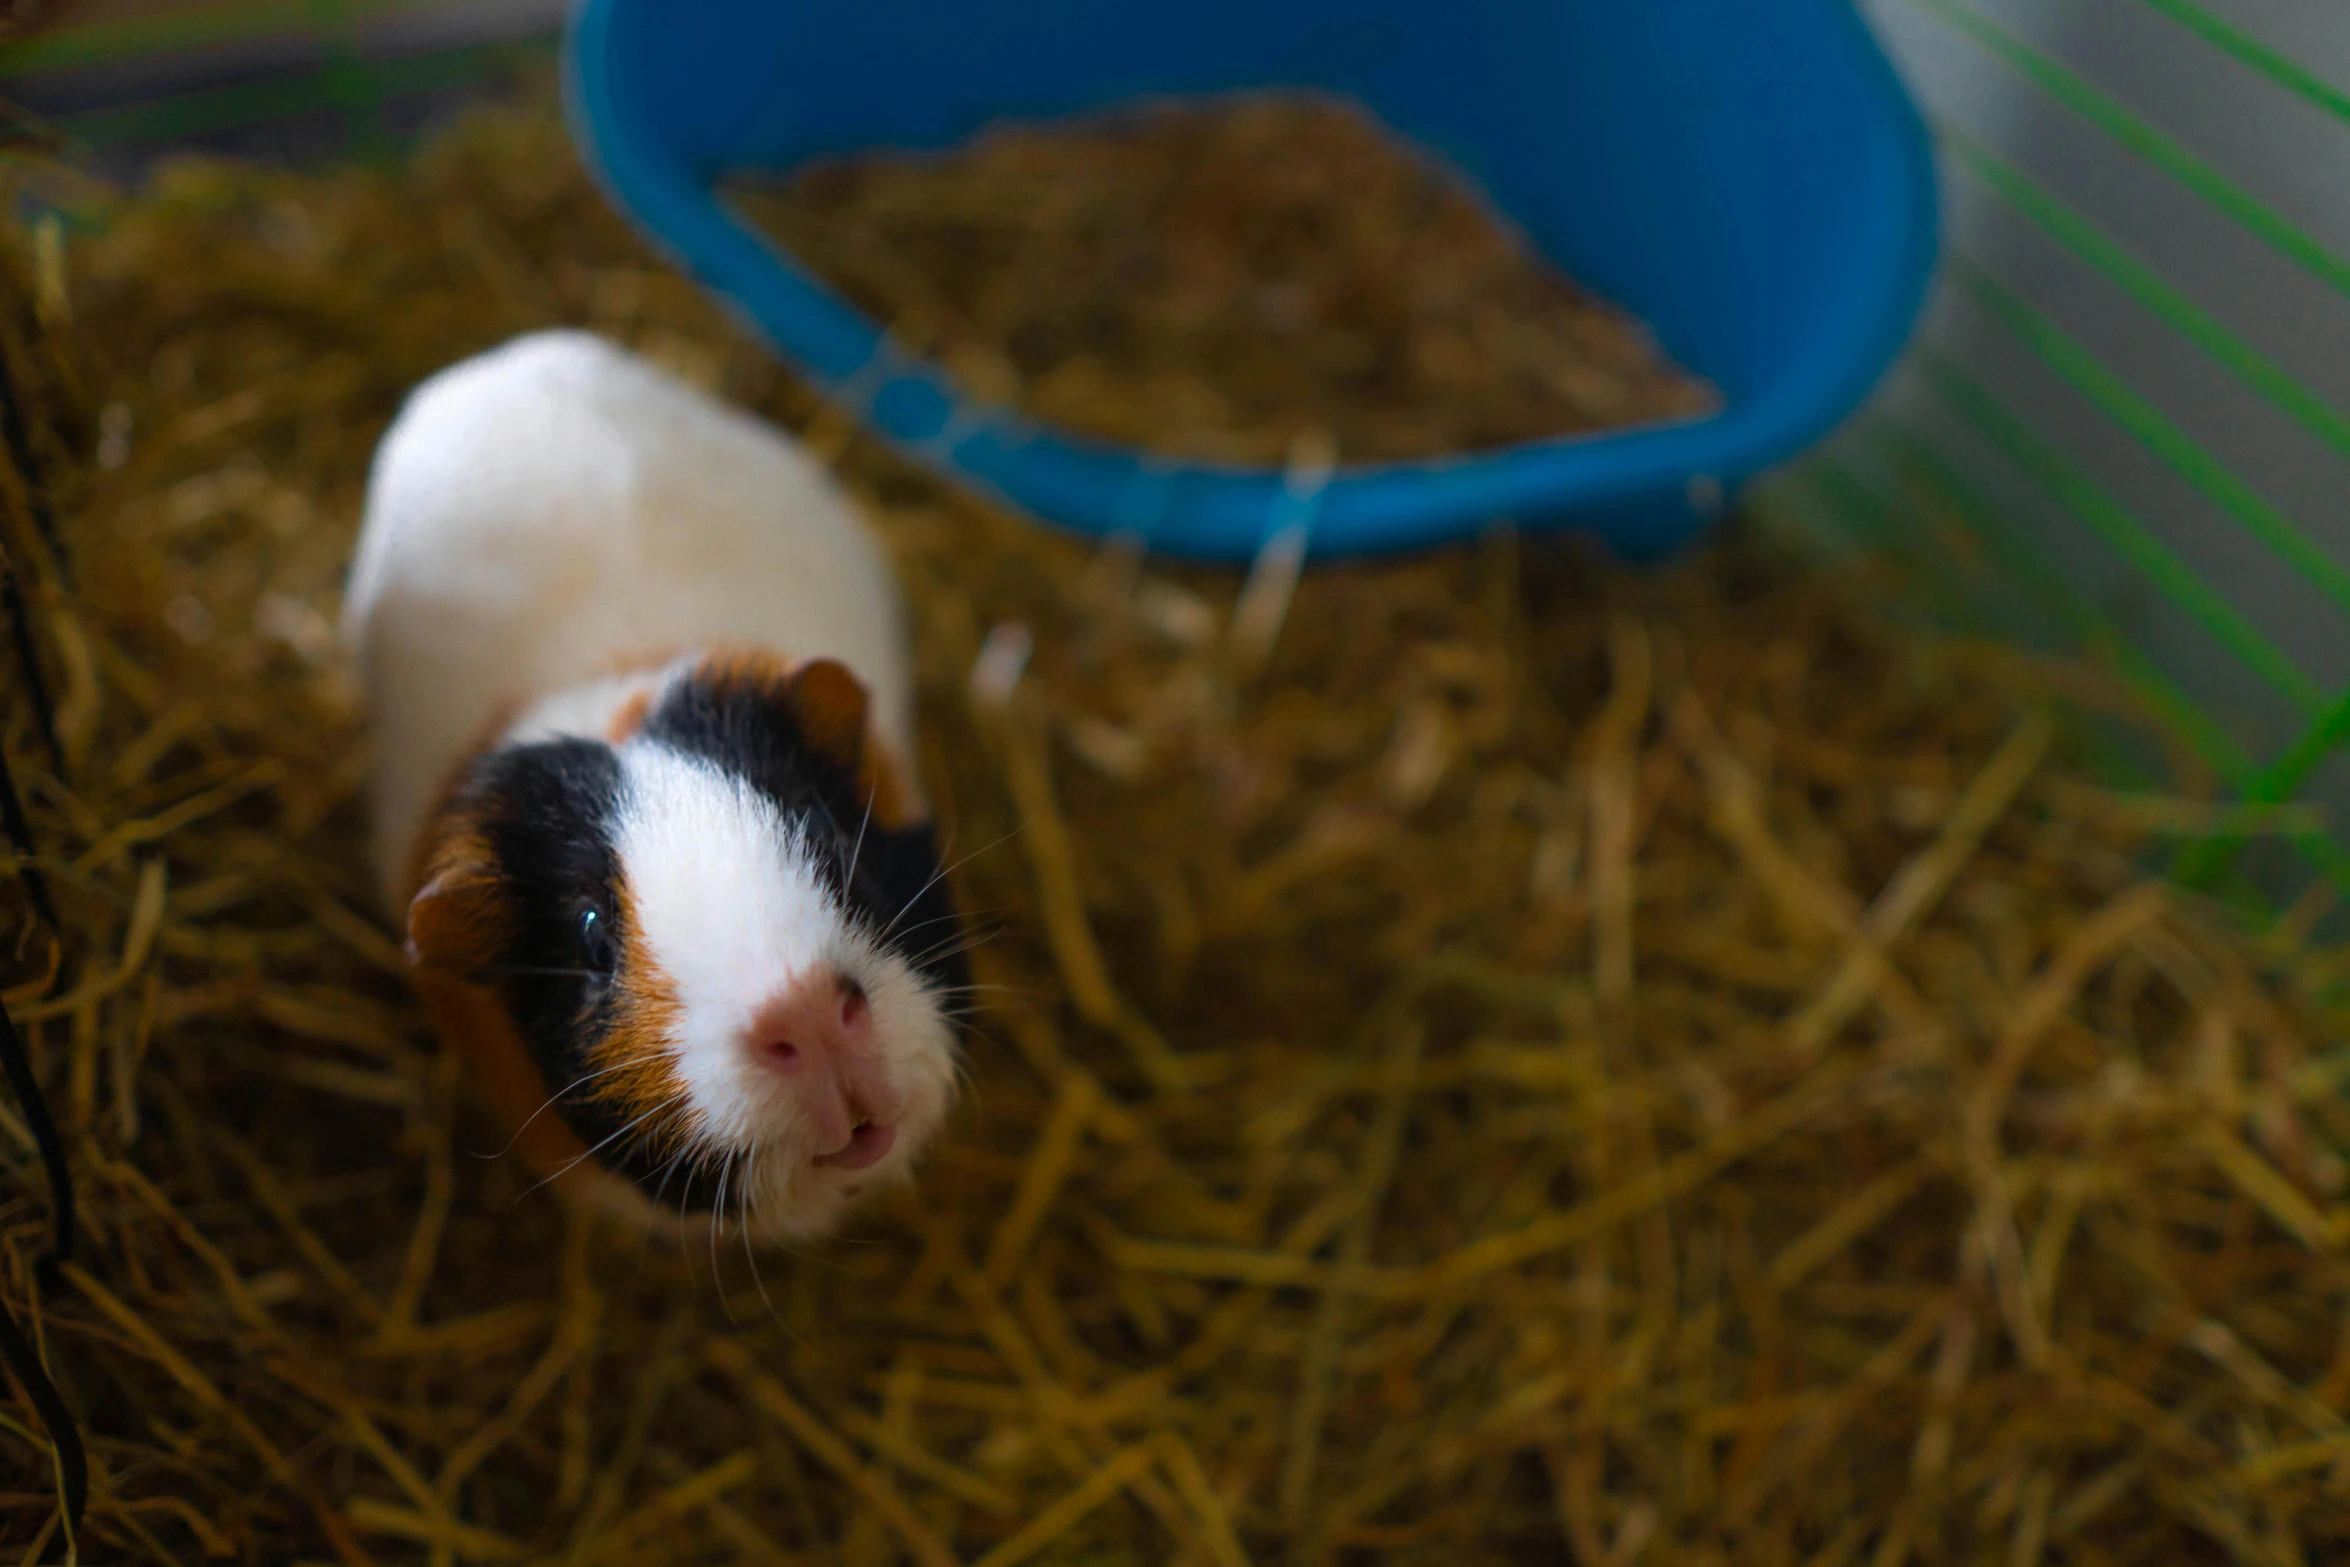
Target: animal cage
<point x="2121" y="430"/>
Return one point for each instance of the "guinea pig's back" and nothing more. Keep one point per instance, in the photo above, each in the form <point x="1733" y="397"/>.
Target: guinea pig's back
<point x="556" y="505"/>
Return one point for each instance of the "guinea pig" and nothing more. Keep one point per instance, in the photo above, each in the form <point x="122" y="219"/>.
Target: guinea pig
<point x="644" y="794"/>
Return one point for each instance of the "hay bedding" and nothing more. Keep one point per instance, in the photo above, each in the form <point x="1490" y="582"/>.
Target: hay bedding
<point x="1505" y="1061"/>
<point x="1224" y="282"/>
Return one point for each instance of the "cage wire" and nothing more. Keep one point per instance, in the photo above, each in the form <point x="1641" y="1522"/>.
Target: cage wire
<point x="2121" y="430"/>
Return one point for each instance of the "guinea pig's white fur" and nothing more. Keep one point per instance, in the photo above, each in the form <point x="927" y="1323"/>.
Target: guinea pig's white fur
<point x="555" y="504"/>
<point x="551" y="509"/>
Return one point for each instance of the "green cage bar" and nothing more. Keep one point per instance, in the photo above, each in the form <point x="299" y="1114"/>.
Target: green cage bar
<point x="2030" y="99"/>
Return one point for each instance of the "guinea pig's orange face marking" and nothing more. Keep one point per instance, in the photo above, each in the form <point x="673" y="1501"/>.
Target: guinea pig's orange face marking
<point x="458" y="919"/>
<point x="470" y="1019"/>
<point x="458" y="927"/>
<point x="635" y="1067"/>
<point x="629" y="717"/>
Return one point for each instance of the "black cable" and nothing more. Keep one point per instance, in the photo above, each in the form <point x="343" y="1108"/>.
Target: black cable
<point x="15" y="1348"/>
<point x="19" y="828"/>
<point x="28" y="658"/>
<point x="13" y="1061"/>
<point x="19" y="438"/>
<point x="19" y="1069"/>
<point x="72" y="1460"/>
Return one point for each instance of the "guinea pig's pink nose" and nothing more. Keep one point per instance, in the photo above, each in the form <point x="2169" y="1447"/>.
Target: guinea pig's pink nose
<point x="818" y="1036"/>
<point x="810" y="1025"/>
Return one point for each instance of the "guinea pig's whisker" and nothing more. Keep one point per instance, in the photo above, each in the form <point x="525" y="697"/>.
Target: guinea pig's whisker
<point x="718" y="1168"/>
<point x="944" y="871"/>
<point x="892" y="926"/>
<point x="965" y="1084"/>
<point x="750" y="1253"/>
<point x="963" y="1000"/>
<point x="967" y="1006"/>
<point x="644" y="1240"/>
<point x="962" y="940"/>
<point x="941" y="919"/>
<point x="669" y="1169"/>
<point x="685" y="1199"/>
<point x="669" y="1103"/>
<point x="857" y="849"/>
<point x="717" y="1223"/>
<point x="969" y="933"/>
<point x="950" y="948"/>
<point x="551" y="1098"/>
<point x="983" y="919"/>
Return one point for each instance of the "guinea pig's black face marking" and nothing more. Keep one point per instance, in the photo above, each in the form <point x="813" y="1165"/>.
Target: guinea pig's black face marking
<point x="547" y="812"/>
<point x="596" y="946"/>
<point x="615" y="892"/>
<point x="889" y="879"/>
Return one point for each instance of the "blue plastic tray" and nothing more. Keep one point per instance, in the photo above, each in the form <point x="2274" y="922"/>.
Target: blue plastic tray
<point x="1748" y="176"/>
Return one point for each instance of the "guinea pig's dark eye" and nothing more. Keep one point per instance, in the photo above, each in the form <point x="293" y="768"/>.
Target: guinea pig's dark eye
<point x="595" y="941"/>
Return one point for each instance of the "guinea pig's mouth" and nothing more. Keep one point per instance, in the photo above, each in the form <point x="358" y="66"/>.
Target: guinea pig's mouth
<point x="867" y="1146"/>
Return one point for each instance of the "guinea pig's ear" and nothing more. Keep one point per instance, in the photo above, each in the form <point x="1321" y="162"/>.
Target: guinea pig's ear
<point x="831" y="706"/>
<point x="456" y="920"/>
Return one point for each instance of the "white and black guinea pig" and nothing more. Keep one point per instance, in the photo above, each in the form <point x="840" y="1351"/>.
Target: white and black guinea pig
<point x="644" y="789"/>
